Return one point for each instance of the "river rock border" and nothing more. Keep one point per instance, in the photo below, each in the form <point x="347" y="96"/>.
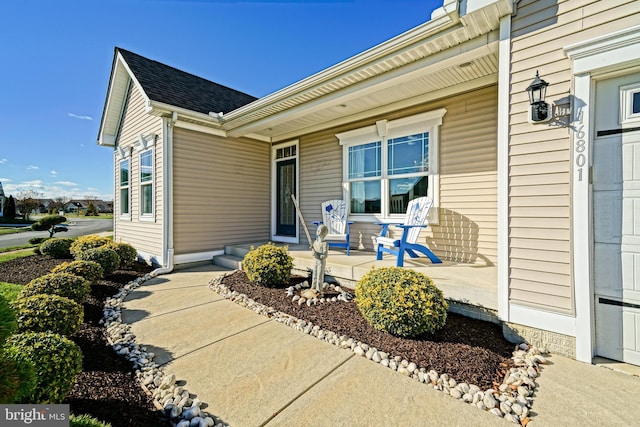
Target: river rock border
<point x="512" y="401"/>
<point x="182" y="408"/>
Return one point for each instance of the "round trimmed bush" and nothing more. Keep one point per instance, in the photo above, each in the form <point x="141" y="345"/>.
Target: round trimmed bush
<point x="88" y="270"/>
<point x="57" y="247"/>
<point x="17" y="378"/>
<point x="84" y="243"/>
<point x="42" y="312"/>
<point x="108" y="259"/>
<point x="268" y="265"/>
<point x="402" y="302"/>
<point x="57" y="361"/>
<point x="62" y="284"/>
<point x="37" y="240"/>
<point x="127" y="253"/>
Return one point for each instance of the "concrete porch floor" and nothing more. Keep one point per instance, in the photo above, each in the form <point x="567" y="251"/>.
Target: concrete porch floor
<point x="471" y="289"/>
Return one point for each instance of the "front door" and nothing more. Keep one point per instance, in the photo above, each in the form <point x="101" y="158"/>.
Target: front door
<point x="285" y="187"/>
<point x="616" y="218"/>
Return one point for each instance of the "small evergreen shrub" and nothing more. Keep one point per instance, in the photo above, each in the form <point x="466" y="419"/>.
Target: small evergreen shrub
<point x="91" y="271"/>
<point x="37" y="240"/>
<point x="17" y="378"/>
<point x="57" y="361"/>
<point x="128" y="254"/>
<point x="108" y="259"/>
<point x="402" y="302"/>
<point x="62" y="284"/>
<point x="42" y="312"/>
<point x="84" y="243"/>
<point x="85" y="420"/>
<point x="50" y="223"/>
<point x="268" y="265"/>
<point x="57" y="247"/>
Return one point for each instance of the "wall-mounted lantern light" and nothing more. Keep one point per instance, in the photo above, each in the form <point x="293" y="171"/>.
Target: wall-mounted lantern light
<point x="539" y="111"/>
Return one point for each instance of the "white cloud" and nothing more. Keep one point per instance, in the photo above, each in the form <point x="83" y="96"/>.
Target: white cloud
<point x="3" y="161"/>
<point x="66" y="183"/>
<point x="79" y="117"/>
<point x="3" y="179"/>
<point x="54" y="173"/>
<point x="32" y="167"/>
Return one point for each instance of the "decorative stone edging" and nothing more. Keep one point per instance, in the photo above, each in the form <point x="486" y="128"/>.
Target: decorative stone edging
<point x="512" y="401"/>
<point x="181" y="407"/>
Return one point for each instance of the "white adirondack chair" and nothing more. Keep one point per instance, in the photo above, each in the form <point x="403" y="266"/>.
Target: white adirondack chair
<point x="334" y="216"/>
<point x="415" y="220"/>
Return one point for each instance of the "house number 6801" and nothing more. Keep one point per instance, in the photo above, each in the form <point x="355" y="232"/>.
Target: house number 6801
<point x="581" y="146"/>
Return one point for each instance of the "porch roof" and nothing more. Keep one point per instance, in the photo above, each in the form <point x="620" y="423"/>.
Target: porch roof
<point x="456" y="51"/>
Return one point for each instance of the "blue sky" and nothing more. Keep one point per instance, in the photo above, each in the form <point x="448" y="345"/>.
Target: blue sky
<point x="55" y="60"/>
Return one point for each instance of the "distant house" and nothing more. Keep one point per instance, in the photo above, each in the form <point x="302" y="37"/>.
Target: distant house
<point x="81" y="205"/>
<point x="440" y="110"/>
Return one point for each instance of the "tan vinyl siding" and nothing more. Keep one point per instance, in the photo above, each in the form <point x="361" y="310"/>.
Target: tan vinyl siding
<point x="145" y="235"/>
<point x="221" y="191"/>
<point x="467" y="227"/>
<point x="320" y="160"/>
<point x="540" y="155"/>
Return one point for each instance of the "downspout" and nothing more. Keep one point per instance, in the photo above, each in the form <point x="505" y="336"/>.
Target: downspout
<point x="167" y="203"/>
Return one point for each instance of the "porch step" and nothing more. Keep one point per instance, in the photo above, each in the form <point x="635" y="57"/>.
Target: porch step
<point x="232" y="262"/>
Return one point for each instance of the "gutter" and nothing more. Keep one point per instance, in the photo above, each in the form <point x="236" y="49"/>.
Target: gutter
<point x="167" y="205"/>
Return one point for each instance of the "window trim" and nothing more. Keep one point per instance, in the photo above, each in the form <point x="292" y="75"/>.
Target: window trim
<point x="124" y="215"/>
<point x="141" y="215"/>
<point x="383" y="130"/>
<point x="628" y="117"/>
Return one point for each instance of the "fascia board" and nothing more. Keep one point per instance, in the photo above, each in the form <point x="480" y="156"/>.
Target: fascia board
<point x="469" y="50"/>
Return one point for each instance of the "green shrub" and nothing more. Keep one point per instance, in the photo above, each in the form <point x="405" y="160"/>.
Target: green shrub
<point x="10" y="291"/>
<point x="7" y="320"/>
<point x="37" y="240"/>
<point x="17" y="378"/>
<point x="84" y="243"/>
<point x="401" y="302"/>
<point x="108" y="259"/>
<point x="57" y="247"/>
<point x="42" y="312"/>
<point x="88" y="270"/>
<point x="50" y="223"/>
<point x="57" y="361"/>
<point x="85" y="420"/>
<point x="268" y="265"/>
<point x="127" y="253"/>
<point x="62" y="284"/>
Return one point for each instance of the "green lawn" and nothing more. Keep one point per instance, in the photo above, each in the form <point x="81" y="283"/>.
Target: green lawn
<point x="11" y="290"/>
<point x="16" y="254"/>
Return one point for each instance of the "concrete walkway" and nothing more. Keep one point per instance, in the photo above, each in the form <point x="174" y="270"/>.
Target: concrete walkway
<point x="252" y="371"/>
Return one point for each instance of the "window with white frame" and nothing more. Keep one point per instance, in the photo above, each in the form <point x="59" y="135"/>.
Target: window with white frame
<point x="146" y="184"/>
<point x="124" y="183"/>
<point x="390" y="163"/>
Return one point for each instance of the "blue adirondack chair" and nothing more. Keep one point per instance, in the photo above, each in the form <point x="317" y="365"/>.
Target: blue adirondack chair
<point x="334" y="216"/>
<point x="415" y="220"/>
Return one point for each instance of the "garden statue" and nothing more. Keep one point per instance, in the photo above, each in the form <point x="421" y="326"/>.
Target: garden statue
<point x="320" y="249"/>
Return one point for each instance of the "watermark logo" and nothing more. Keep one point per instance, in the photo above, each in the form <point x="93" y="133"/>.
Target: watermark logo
<point x="34" y="415"/>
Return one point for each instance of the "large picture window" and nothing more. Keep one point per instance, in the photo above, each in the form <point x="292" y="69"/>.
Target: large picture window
<point x="391" y="163"/>
<point x="124" y="188"/>
<point x="146" y="184"/>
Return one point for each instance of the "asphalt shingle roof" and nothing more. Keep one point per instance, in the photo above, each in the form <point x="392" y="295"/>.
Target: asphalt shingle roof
<point x="169" y="85"/>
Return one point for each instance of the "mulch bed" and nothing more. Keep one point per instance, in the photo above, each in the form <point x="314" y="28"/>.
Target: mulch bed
<point x="469" y="350"/>
<point x="106" y="388"/>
